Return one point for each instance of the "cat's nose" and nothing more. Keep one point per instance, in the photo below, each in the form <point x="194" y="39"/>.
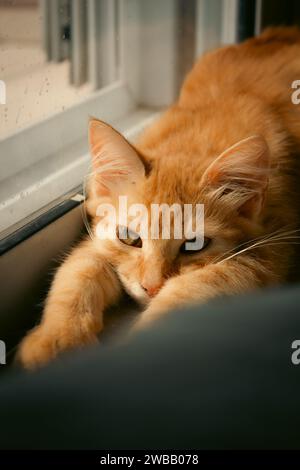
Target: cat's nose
<point x="152" y="289"/>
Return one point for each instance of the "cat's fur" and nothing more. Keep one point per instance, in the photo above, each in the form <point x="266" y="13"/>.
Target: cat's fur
<point x="236" y="102"/>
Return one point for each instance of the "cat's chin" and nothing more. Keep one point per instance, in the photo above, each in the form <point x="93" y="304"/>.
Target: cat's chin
<point x="135" y="291"/>
<point x="142" y="299"/>
<point x="138" y="295"/>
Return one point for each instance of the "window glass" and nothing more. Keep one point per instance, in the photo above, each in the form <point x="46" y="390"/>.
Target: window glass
<point x="37" y="84"/>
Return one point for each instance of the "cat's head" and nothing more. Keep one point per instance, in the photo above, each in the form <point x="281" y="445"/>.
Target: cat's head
<point x="230" y="186"/>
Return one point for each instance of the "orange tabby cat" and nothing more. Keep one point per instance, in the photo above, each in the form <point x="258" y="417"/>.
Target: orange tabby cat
<point x="231" y="142"/>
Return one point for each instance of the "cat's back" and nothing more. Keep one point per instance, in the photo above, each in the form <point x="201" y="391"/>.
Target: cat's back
<point x="265" y="66"/>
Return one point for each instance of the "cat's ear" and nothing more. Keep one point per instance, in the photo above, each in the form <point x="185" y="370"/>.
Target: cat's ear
<point x="240" y="175"/>
<point x="116" y="163"/>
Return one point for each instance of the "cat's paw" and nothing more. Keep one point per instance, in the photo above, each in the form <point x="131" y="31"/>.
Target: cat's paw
<point x="41" y="346"/>
<point x="36" y="349"/>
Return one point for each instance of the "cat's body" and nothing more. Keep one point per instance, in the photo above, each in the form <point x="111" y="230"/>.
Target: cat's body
<point x="231" y="142"/>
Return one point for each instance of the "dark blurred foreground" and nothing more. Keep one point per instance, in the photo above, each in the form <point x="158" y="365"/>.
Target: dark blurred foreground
<point x="218" y="376"/>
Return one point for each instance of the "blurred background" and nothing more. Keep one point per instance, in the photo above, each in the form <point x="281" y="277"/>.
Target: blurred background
<point x="34" y="66"/>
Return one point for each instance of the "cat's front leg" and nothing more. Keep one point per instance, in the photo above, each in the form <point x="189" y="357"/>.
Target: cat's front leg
<point x="83" y="287"/>
<point x="201" y="285"/>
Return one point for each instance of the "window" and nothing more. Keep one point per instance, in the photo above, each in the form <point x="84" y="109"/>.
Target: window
<point x="62" y="61"/>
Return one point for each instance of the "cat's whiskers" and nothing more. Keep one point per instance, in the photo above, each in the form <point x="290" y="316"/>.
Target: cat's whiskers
<point x="278" y="232"/>
<point x="267" y="241"/>
<point x="83" y="208"/>
<point x="86" y="222"/>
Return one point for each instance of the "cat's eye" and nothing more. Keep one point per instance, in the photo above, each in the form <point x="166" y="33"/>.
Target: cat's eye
<point x="129" y="237"/>
<point x="185" y="250"/>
